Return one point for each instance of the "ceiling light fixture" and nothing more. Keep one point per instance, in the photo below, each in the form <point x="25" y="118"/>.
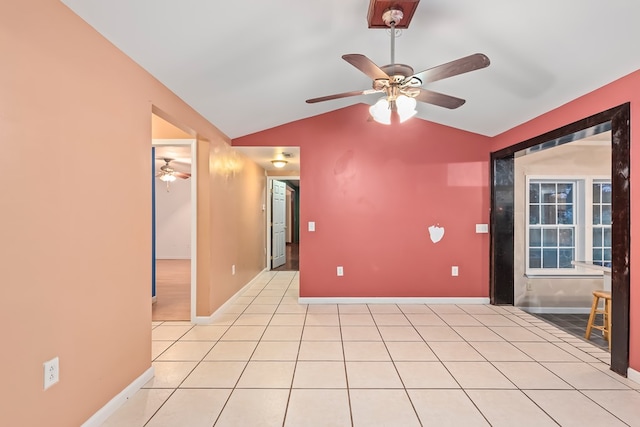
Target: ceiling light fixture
<point x="167" y="177"/>
<point x="279" y="163"/>
<point x="403" y="107"/>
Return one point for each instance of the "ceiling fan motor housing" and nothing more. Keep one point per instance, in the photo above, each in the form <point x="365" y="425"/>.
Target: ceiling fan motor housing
<point x="392" y="16"/>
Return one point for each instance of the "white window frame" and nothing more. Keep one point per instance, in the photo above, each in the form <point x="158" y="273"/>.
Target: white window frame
<point x="583" y="222"/>
<point x="591" y="225"/>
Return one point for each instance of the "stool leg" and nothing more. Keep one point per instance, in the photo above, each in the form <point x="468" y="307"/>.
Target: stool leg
<point x="592" y="316"/>
<point x="608" y="309"/>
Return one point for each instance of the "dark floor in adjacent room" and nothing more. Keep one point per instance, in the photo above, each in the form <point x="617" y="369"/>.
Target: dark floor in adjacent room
<point x="576" y="324"/>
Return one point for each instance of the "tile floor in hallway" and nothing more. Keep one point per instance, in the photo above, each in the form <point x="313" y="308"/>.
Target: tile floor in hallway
<point x="269" y="361"/>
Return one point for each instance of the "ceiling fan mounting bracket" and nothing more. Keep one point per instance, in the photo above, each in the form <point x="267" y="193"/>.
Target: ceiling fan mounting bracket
<point x="392" y="16"/>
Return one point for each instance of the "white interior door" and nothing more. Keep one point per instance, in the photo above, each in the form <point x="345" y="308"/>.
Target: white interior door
<point x="278" y="218"/>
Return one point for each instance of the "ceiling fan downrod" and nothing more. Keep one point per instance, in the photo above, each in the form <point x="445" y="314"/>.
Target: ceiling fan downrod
<point x="391" y="18"/>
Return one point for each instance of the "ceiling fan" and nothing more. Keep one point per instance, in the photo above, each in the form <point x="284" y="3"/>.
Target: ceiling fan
<point x="168" y="174"/>
<point x="400" y="85"/>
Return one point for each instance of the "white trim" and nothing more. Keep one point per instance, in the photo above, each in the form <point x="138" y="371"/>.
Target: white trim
<point x="114" y="404"/>
<point x="154" y="299"/>
<point x="205" y="320"/>
<point x="193" y="143"/>
<point x="633" y="375"/>
<point x="556" y="310"/>
<point x="393" y="300"/>
<point x="174" y="257"/>
<point x="270" y="178"/>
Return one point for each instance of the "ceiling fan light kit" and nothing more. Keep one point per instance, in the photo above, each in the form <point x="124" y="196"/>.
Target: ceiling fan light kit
<point x="168" y="174"/>
<point x="383" y="112"/>
<point x="167" y="177"/>
<point x="398" y="82"/>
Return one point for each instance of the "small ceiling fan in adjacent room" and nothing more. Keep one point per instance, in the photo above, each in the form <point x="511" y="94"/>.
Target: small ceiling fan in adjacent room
<point x="168" y="174"/>
<point x="400" y="85"/>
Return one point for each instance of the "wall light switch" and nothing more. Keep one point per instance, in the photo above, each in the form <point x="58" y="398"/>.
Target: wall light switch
<point x="482" y="228"/>
<point x="312" y="226"/>
<point x="454" y="270"/>
<point x="340" y="271"/>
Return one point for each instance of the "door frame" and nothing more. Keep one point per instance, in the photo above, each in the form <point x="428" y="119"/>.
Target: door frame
<point x="193" y="145"/>
<point x="501" y="269"/>
<point x="268" y="209"/>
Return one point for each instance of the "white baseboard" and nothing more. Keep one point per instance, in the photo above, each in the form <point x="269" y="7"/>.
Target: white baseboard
<point x="393" y="300"/>
<point x="205" y="320"/>
<point x="556" y="310"/>
<point x="633" y="375"/>
<point x="154" y="299"/>
<point x="114" y="404"/>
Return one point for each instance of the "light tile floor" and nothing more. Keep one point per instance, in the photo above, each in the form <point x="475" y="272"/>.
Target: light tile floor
<point x="269" y="361"/>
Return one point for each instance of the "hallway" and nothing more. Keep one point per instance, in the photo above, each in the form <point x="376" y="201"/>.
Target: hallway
<point x="267" y="360"/>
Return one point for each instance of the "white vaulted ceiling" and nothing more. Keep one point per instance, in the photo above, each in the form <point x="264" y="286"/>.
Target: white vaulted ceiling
<point x="250" y="65"/>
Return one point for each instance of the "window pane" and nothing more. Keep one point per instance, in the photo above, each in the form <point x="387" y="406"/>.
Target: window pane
<point x="550" y="238"/>
<point x="566" y="237"/>
<point x="596" y="214"/>
<point x="534" y="214"/>
<point x="606" y="214"/>
<point x="534" y="190"/>
<point x="607" y="237"/>
<point x="597" y="236"/>
<point x="548" y="214"/>
<point x="565" y="193"/>
<point x="535" y="258"/>
<point x="597" y="255"/>
<point x="566" y="256"/>
<point x="548" y="193"/>
<point x="549" y="258"/>
<point x="565" y="214"/>
<point x="535" y="237"/>
<point x="596" y="193"/>
<point x="606" y="254"/>
<point x="606" y="193"/>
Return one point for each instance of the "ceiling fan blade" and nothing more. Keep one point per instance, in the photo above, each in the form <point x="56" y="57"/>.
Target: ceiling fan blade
<point x="365" y="65"/>
<point x="182" y="175"/>
<point x="342" y="95"/>
<point x="453" y="68"/>
<point x="439" y="99"/>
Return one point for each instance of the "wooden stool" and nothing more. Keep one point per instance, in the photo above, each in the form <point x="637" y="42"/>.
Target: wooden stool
<point x="606" y="312"/>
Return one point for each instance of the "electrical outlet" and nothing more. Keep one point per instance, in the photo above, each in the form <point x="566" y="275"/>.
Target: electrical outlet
<point x="233" y="270"/>
<point x="454" y="270"/>
<point x="528" y="285"/>
<point x="51" y="372"/>
<point x="340" y="271"/>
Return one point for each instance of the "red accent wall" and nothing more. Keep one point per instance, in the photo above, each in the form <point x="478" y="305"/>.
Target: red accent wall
<point x="373" y="191"/>
<point x="621" y="91"/>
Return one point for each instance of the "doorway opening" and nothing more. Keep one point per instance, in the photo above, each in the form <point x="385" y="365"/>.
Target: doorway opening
<point x="503" y="212"/>
<point x="174" y="223"/>
<point x="283" y="223"/>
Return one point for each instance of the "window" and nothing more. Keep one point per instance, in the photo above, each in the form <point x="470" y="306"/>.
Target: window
<point x="552" y="227"/>
<point x="568" y="219"/>
<point x="602" y="224"/>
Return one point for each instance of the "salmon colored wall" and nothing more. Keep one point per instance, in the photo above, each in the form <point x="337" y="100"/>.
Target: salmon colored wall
<point x="616" y="93"/>
<point x="76" y="252"/>
<point x="162" y="129"/>
<point x="237" y="224"/>
<point x="373" y="190"/>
